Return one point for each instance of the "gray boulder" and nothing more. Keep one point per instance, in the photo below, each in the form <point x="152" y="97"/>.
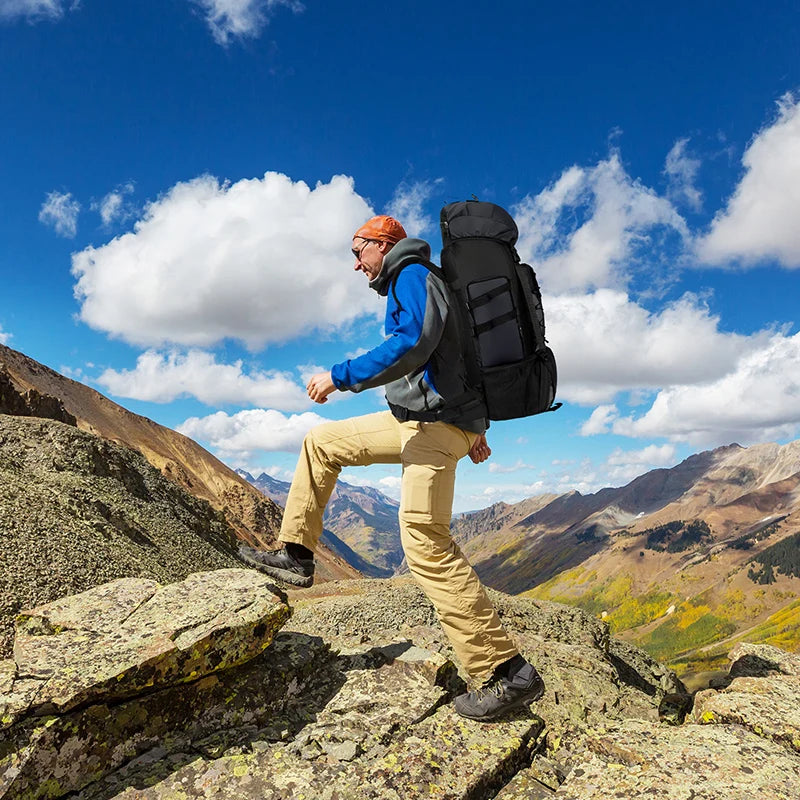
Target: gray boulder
<point x="129" y="638"/>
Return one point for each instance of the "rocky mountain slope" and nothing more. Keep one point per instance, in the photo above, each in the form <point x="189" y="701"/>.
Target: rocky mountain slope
<point x="673" y="559"/>
<point x="77" y="510"/>
<point x="193" y="690"/>
<point x="28" y="388"/>
<point x="360" y="518"/>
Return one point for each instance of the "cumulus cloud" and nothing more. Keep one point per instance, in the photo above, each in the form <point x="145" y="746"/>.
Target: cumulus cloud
<point x="238" y="436"/>
<point x="757" y="400"/>
<point x="591" y="227"/>
<point x="760" y="220"/>
<point x="60" y="212"/>
<point x="243" y="19"/>
<point x="163" y="377"/>
<point x="35" y="10"/>
<point x="600" y="420"/>
<point x="260" y="260"/>
<point x="501" y="469"/>
<point x="5" y="337"/>
<point x="681" y="171"/>
<point x="408" y="206"/>
<point x="622" y="466"/>
<point x="606" y="343"/>
<point x="113" y="207"/>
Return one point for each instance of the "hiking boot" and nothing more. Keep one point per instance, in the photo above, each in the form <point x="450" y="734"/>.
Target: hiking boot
<point x="280" y="564"/>
<point x="520" y="684"/>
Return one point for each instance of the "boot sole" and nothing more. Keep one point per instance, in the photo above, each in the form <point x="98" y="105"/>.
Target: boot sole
<point x="284" y="575"/>
<point x="523" y="701"/>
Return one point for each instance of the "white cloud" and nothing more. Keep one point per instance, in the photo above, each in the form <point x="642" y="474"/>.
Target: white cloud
<point x="757" y="400"/>
<point x="163" y="377"/>
<point x="408" y="206"/>
<point x="60" y="212"/>
<point x="761" y="219"/>
<point x="5" y="336"/>
<point x="681" y="171"/>
<point x="605" y="343"/>
<point x="241" y="18"/>
<point x="260" y="260"/>
<point x="239" y="436"/>
<point x="600" y="420"/>
<point x="622" y="466"/>
<point x="500" y="469"/>
<point x="35" y="10"/>
<point x="590" y="228"/>
<point x="307" y="371"/>
<point x="113" y="208"/>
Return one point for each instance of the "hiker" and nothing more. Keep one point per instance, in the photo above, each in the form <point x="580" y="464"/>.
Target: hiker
<point x="419" y="364"/>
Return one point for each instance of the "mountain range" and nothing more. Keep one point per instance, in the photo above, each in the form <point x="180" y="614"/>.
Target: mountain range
<point x="681" y="561"/>
<point x="677" y="561"/>
<point x="359" y="518"/>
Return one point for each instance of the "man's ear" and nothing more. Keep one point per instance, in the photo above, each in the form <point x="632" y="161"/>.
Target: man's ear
<point x="385" y="247"/>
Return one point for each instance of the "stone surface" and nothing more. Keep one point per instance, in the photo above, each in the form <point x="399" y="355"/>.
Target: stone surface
<point x="352" y="700"/>
<point x="635" y="760"/>
<point x="123" y="638"/>
<point x="760" y="660"/>
<point x="235" y="708"/>
<point x="352" y="706"/>
<point x="443" y="756"/>
<point x="587" y="678"/>
<point x="769" y="707"/>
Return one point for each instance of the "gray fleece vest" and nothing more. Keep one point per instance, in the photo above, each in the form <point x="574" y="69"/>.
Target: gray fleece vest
<point x="413" y="396"/>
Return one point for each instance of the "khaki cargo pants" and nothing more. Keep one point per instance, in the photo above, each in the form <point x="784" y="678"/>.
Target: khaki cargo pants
<point x="429" y="452"/>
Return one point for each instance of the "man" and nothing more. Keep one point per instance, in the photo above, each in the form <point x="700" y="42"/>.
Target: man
<point x="428" y="429"/>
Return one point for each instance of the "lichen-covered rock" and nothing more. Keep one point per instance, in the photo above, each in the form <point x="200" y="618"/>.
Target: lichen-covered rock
<point x="638" y="761"/>
<point x="761" y="660"/>
<point x="258" y="701"/>
<point x="347" y="704"/>
<point x="350" y="708"/>
<point x="442" y="756"/>
<point x="588" y="676"/>
<point x="130" y="636"/>
<point x="540" y="781"/>
<point x="769" y="707"/>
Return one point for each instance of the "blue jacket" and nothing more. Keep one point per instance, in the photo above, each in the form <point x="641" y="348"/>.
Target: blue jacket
<point x="420" y="360"/>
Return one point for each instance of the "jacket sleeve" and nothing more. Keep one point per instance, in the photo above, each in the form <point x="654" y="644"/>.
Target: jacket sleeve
<point x="414" y="328"/>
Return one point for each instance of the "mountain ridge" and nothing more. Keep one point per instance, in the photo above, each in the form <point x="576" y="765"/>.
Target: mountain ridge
<point x="254" y="518"/>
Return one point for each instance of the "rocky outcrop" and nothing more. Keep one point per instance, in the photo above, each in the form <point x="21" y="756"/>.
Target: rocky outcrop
<point x="30" y="402"/>
<point x="588" y="676"/>
<point x="77" y="661"/>
<point x="351" y="699"/>
<point x="738" y="743"/>
<point x="77" y="511"/>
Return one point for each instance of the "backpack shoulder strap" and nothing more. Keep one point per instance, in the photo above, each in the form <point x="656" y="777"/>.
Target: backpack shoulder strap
<point x="429" y="265"/>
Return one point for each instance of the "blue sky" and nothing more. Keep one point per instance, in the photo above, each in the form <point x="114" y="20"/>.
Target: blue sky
<point x="179" y="182"/>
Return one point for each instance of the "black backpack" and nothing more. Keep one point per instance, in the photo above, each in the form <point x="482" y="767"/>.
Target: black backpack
<point x="499" y="308"/>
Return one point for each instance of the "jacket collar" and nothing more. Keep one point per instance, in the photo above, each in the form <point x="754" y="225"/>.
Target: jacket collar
<point x="406" y="251"/>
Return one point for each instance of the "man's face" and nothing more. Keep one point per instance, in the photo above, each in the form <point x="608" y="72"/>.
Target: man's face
<point x="369" y="256"/>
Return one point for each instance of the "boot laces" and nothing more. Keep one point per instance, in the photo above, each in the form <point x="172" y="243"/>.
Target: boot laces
<point x="494" y="686"/>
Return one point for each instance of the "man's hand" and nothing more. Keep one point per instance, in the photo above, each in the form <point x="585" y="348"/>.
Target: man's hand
<point x="480" y="450"/>
<point x="319" y="386"/>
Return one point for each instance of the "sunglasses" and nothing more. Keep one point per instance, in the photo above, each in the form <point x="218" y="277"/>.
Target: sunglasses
<point x="357" y="252"/>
